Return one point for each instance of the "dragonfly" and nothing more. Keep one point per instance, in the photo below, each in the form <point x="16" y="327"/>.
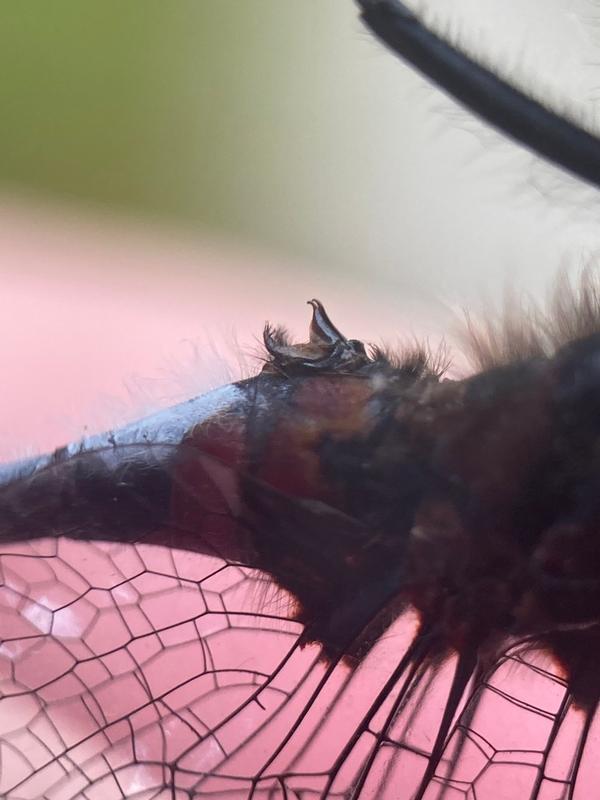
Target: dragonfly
<point x="348" y="576"/>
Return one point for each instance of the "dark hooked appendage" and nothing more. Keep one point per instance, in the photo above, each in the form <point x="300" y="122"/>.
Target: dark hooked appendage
<point x="327" y="350"/>
<point x="364" y="487"/>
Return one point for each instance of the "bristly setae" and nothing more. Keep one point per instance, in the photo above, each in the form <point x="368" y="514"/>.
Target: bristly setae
<point x="366" y="484"/>
<point x="363" y="484"/>
<point x="476" y="500"/>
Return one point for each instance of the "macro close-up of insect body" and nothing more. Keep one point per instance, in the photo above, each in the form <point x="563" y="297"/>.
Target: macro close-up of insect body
<point x="356" y="573"/>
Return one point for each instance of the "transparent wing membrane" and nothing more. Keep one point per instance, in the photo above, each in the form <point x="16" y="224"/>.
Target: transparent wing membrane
<point x="264" y="594"/>
<point x="147" y="671"/>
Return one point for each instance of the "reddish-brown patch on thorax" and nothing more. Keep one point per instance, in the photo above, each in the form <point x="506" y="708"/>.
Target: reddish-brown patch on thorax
<point x="320" y="407"/>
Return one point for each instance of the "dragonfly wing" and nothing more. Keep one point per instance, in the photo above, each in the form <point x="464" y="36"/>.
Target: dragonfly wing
<point x="138" y="670"/>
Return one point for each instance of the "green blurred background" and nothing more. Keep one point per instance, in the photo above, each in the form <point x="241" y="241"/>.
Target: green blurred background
<point x="173" y="168"/>
<point x="226" y="114"/>
<point x="277" y="123"/>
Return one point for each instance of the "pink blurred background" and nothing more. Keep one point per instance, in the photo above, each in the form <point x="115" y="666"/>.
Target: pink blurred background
<point x="103" y="321"/>
<point x="174" y="175"/>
